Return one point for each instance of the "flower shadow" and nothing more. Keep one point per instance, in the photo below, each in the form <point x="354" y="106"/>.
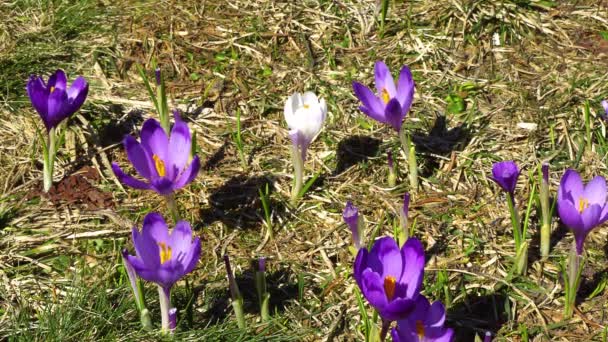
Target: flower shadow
<point x="354" y="150"/>
<point x="477" y="314"/>
<point x="440" y="140"/>
<point x="237" y="202"/>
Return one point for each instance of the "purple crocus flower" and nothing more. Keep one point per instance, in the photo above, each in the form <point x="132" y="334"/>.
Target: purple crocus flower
<point x="424" y="324"/>
<point x="581" y="207"/>
<point x="390" y="278"/>
<point x="505" y="174"/>
<point x="391" y="104"/>
<point x="164" y="257"/>
<point x="351" y="217"/>
<point x="545" y="171"/>
<point x="54" y="101"/>
<point x="161" y="160"/>
<point x="605" y="105"/>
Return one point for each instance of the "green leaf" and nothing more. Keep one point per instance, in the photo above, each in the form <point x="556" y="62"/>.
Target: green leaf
<point x="456" y="104"/>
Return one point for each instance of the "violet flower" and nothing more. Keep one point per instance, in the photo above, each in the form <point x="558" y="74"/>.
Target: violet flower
<point x="505" y="174"/>
<point x="160" y="160"/>
<point x="391" y="104"/>
<point x="390" y="278"/>
<point x="164" y="257"/>
<point x="581" y="207"/>
<point x="605" y="105"/>
<point x="424" y="324"/>
<point x="55" y="101"/>
<point x="351" y="218"/>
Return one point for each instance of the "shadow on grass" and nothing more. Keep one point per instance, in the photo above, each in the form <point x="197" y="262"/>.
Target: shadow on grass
<point x="214" y="160"/>
<point x="440" y="140"/>
<point x="477" y="314"/>
<point x="354" y="150"/>
<point x="589" y="283"/>
<point x="237" y="202"/>
<point x="281" y="284"/>
<point x="441" y="243"/>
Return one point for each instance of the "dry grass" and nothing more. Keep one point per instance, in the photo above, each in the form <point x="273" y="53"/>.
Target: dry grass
<point x="220" y="57"/>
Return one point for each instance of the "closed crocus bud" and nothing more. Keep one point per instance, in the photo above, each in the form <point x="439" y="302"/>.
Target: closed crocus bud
<point x="488" y="337"/>
<point x="304" y="114"/>
<point x="158" y="76"/>
<point x="505" y="174"/>
<point x="351" y="218"/>
<point x="403" y="218"/>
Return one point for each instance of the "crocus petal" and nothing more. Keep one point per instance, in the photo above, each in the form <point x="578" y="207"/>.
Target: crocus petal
<point x="397" y="309"/>
<point x="156" y="228"/>
<point x="405" y="89"/>
<point x="58" y="80"/>
<point x="385" y="258"/>
<point x="146" y="249"/>
<point x="143" y="271"/>
<point x="595" y="191"/>
<point x="139" y="157"/>
<point x="591" y="216"/>
<point x="393" y="114"/>
<point x="36" y="92"/>
<point x="360" y="265"/>
<point x="77" y="93"/>
<point x="571" y="183"/>
<point x="193" y="257"/>
<point x="395" y="335"/>
<point x="163" y="186"/>
<point x="570" y="215"/>
<point x="300" y="141"/>
<point x="180" y="145"/>
<point x="384" y="79"/>
<point x="56" y="107"/>
<point x="189" y="174"/>
<point x="373" y="104"/>
<point x="605" y="105"/>
<point x="412" y="253"/>
<point x="372" y="287"/>
<point x="154" y="138"/>
<point x="291" y="105"/>
<point x="435" y="314"/>
<point x="129" y="180"/>
<point x="180" y="239"/>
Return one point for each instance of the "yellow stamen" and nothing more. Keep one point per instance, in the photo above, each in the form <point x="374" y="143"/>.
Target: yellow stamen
<point x="583" y="204"/>
<point x="165" y="252"/>
<point x="52" y="89"/>
<point x="160" y="165"/>
<point x="306" y="106"/>
<point x="385" y="95"/>
<point x="420" y="329"/>
<point x="389" y="287"/>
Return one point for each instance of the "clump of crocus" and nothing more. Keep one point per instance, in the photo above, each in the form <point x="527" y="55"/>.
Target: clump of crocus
<point x="235" y="294"/>
<point x="424" y="324"/>
<point x="54" y="101"/>
<point x="162" y="161"/>
<point x="403" y="219"/>
<point x="390" y="278"/>
<point x="263" y="294"/>
<point x="545" y="228"/>
<point x="351" y="217"/>
<point x="164" y="257"/>
<point x="390" y="106"/>
<point x="581" y="208"/>
<point x="505" y="174"/>
<point x="304" y="114"/>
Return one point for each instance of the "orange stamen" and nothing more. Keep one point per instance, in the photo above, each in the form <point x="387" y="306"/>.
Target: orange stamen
<point x="583" y="204"/>
<point x="420" y="329"/>
<point x="165" y="252"/>
<point x="385" y="95"/>
<point x="389" y="287"/>
<point x="160" y="165"/>
<point x="52" y="89"/>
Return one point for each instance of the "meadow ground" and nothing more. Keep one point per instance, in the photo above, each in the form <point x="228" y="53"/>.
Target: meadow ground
<point x="495" y="80"/>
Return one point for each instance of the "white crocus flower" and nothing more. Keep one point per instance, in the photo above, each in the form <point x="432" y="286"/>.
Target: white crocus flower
<point x="304" y="114"/>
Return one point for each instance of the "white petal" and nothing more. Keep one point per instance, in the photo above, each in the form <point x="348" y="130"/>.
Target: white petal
<point x="310" y="98"/>
<point x="323" y="108"/>
<point x="291" y="106"/>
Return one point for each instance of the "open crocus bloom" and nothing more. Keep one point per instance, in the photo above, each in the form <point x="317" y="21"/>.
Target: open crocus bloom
<point x="390" y="278"/>
<point x="581" y="207"/>
<point x="424" y="324"/>
<point x="391" y="104"/>
<point x="505" y="174"/>
<point x="164" y="257"/>
<point x="304" y="114"/>
<point x="54" y="101"/>
<point x="162" y="161"/>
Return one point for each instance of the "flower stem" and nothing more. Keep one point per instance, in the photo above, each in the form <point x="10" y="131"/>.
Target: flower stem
<point x="386" y="324"/>
<point x="573" y="281"/>
<point x="164" y="297"/>
<point x="298" y="165"/>
<point x="410" y="153"/>
<point x="172" y="205"/>
<point x="514" y="221"/>
<point x="545" y="228"/>
<point x="49" y="160"/>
